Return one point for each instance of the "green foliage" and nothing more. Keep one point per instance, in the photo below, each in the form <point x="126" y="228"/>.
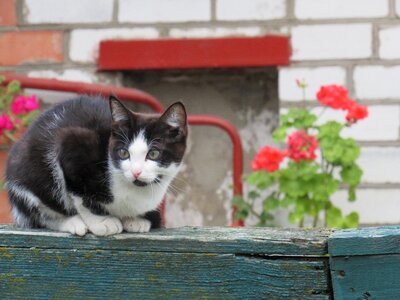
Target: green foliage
<point x="305" y="187"/>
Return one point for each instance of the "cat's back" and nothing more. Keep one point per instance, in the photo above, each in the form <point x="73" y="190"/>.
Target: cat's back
<point x="84" y="112"/>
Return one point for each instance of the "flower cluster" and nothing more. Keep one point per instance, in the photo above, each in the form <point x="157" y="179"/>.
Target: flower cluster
<point x="304" y="184"/>
<point x="17" y="110"/>
<point x="336" y="96"/>
<point x="24" y="104"/>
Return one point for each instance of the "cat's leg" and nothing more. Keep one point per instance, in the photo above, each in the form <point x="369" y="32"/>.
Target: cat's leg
<point x="74" y="225"/>
<point x="98" y="225"/>
<point x="151" y="220"/>
<point x="136" y="224"/>
<point x="28" y="211"/>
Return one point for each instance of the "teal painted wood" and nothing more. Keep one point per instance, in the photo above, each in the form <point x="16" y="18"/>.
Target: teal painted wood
<point x="266" y="241"/>
<point x="365" y="263"/>
<point x="104" y="274"/>
<point x="365" y="241"/>
<point x="185" y="263"/>
<point x="366" y="277"/>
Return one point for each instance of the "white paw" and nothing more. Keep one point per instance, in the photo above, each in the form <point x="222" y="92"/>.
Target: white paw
<point x="105" y="225"/>
<point x="74" y="225"/>
<point x="136" y="224"/>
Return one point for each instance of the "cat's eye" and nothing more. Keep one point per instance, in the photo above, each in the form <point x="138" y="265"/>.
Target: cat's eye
<point x="123" y="153"/>
<point x="153" y="154"/>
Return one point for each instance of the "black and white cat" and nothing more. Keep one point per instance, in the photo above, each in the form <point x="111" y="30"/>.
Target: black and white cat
<point x="88" y="165"/>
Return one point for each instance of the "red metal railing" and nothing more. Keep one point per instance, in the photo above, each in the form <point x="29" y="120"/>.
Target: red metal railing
<point x="138" y="96"/>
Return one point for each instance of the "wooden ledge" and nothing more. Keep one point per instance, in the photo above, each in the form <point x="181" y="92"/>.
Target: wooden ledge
<point x="191" y="263"/>
<point x="194" y="53"/>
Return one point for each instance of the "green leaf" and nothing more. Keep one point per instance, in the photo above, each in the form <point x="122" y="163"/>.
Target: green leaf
<point x="261" y="179"/>
<point x="279" y="134"/>
<point x="351" y="220"/>
<point x="270" y="203"/>
<point x="330" y="129"/>
<point x="253" y="194"/>
<point x="2" y="78"/>
<point x="14" y="87"/>
<point x="334" y="217"/>
<point x="351" y="174"/>
<point x="352" y="194"/>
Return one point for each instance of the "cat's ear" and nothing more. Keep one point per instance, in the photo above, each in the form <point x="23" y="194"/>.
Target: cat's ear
<point x="175" y="115"/>
<point x="118" y="111"/>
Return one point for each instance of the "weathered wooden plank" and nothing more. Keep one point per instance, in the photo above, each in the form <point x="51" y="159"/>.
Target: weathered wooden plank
<point x="265" y="241"/>
<point x="365" y="241"/>
<point x="31" y="273"/>
<point x="366" y="277"/>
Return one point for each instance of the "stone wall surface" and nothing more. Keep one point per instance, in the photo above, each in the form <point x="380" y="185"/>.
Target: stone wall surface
<point x="351" y="42"/>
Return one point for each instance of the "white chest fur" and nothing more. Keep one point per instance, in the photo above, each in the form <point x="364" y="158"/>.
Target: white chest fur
<point x="131" y="201"/>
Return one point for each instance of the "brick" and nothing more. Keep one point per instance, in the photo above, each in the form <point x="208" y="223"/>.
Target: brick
<point x="71" y="11"/>
<point x="214" y="32"/>
<point x="379" y="164"/>
<point x="231" y="10"/>
<point x="84" y="43"/>
<point x="375" y="206"/>
<point x="31" y="47"/>
<point x="316" y="42"/>
<point x="398" y="7"/>
<point x="315" y="77"/>
<point x="7" y="13"/>
<point x="328" y="9"/>
<point x="389" y="43"/>
<point x="377" y="82"/>
<point x="382" y="123"/>
<point x="68" y="74"/>
<point x="154" y="11"/>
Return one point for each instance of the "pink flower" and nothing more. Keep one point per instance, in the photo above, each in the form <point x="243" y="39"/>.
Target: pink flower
<point x="267" y="159"/>
<point x="31" y="103"/>
<point x="356" y="112"/>
<point x="335" y="96"/>
<point x="302" y="146"/>
<point x="5" y="123"/>
<point x="18" y="105"/>
<point x="23" y="105"/>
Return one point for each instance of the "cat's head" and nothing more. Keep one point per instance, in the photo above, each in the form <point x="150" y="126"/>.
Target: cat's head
<point x="147" y="148"/>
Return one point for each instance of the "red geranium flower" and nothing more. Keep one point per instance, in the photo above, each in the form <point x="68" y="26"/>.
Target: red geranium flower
<point x="267" y="159"/>
<point x="335" y="96"/>
<point x="356" y="112"/>
<point x="302" y="146"/>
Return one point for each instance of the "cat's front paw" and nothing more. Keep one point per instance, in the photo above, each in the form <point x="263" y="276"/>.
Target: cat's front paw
<point x="74" y="225"/>
<point x="103" y="226"/>
<point x="136" y="224"/>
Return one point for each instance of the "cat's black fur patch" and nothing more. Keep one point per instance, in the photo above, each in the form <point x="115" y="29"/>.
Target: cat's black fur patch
<point x="80" y="135"/>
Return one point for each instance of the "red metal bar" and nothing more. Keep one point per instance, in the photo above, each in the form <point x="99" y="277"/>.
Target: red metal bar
<point x="224" y="52"/>
<point x="146" y="99"/>
<point x="88" y="88"/>
<point x="237" y="152"/>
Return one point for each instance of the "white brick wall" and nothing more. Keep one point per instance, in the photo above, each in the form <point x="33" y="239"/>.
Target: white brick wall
<point x="336" y="9"/>
<point x="380" y="165"/>
<point x="375" y="206"/>
<point x="233" y="10"/>
<point x="214" y="32"/>
<point x="71" y="11"/>
<point x="382" y="124"/>
<point x="84" y="43"/>
<point x="389" y="43"/>
<point x="317" y="42"/>
<point x="152" y="11"/>
<point x="315" y="77"/>
<point x="377" y="82"/>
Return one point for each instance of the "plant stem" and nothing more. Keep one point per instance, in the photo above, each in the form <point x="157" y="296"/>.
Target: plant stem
<point x="315" y="221"/>
<point x="301" y="224"/>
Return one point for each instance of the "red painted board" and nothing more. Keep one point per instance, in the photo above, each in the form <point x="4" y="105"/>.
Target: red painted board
<point x="194" y="53"/>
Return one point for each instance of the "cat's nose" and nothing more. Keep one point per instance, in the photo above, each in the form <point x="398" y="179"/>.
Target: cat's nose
<point x="136" y="173"/>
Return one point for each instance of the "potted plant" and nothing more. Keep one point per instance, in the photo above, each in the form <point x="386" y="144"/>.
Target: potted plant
<point x="17" y="111"/>
<point x="315" y="163"/>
